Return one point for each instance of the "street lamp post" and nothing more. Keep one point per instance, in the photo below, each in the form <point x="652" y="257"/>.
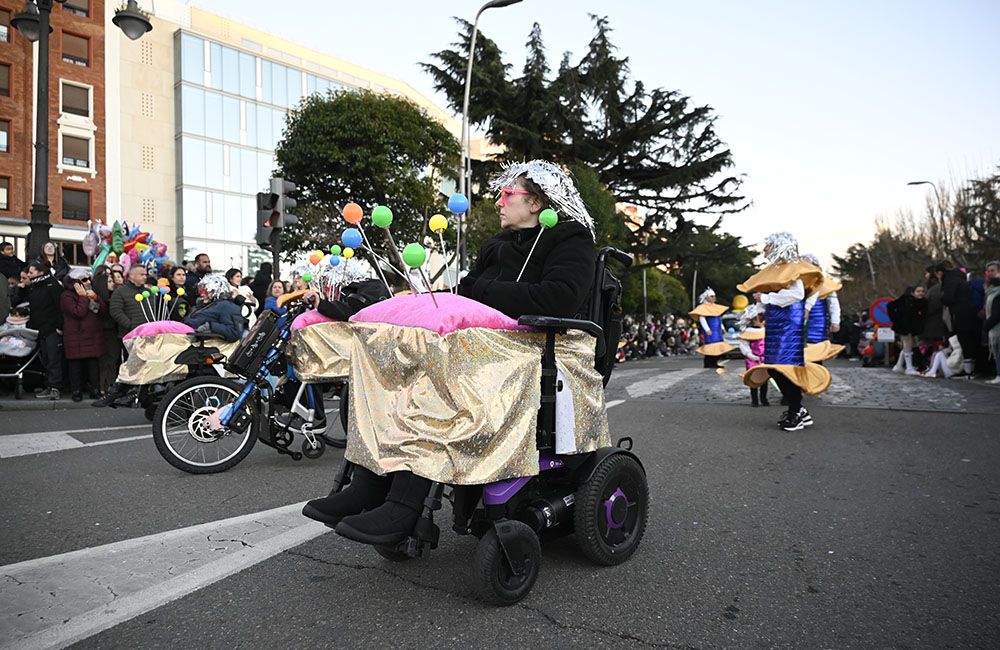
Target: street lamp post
<point x="465" y="173"/>
<point x="933" y="186"/>
<point x="33" y="23"/>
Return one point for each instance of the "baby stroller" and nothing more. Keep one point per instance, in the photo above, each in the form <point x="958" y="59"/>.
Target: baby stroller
<point x="19" y="356"/>
<point x="601" y="496"/>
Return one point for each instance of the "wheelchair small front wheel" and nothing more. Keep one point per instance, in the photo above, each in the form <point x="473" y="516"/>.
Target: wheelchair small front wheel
<point x="497" y="582"/>
<point x="611" y="510"/>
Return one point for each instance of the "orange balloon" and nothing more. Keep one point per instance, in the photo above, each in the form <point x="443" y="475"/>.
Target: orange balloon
<point x="353" y="213"/>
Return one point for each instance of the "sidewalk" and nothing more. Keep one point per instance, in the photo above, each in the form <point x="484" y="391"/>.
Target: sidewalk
<point x="30" y="403"/>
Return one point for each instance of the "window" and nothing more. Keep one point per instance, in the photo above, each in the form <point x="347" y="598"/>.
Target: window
<point x="75" y="100"/>
<point x="4" y="193"/>
<point x="192" y="59"/>
<point x="4" y="80"/>
<point x="75" y="204"/>
<point x="4" y="26"/>
<point x="75" y="151"/>
<point x="4" y="136"/>
<point x="77" y="7"/>
<point x="192" y="110"/>
<point x="75" y="49"/>
<point x="248" y="75"/>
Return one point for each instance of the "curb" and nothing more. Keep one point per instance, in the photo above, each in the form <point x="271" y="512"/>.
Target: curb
<point x="29" y="403"/>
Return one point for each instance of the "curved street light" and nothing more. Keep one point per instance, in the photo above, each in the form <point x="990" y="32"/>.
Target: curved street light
<point x="33" y="23"/>
<point x="465" y="173"/>
<point x="931" y="183"/>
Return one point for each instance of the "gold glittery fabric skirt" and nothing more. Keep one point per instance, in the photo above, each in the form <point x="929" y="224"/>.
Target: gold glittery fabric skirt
<point x="151" y="358"/>
<point x="462" y="408"/>
<point x="321" y="352"/>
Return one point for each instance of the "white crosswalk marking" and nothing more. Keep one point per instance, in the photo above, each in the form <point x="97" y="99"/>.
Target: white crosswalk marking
<point x="25" y="444"/>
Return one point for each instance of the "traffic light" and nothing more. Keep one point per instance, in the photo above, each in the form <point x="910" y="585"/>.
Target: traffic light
<point x="285" y="203"/>
<point x="267" y="203"/>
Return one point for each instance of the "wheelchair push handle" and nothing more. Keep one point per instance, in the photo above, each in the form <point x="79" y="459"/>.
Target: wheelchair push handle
<point x="618" y="255"/>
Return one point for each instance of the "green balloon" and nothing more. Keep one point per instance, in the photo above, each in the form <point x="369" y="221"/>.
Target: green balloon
<point x="335" y="250"/>
<point x="382" y="216"/>
<point x="307" y="277"/>
<point x="145" y="294"/>
<point x="414" y="255"/>
<point x="548" y="218"/>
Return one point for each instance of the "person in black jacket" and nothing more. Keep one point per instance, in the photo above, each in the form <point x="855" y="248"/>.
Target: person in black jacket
<point x="47" y="317"/>
<point x="553" y="280"/>
<point x="908" y="314"/>
<point x="10" y="264"/>
<point x="963" y="321"/>
<point x="217" y="311"/>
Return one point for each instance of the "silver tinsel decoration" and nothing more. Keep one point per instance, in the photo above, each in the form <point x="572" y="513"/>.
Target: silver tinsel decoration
<point x="750" y="313"/>
<point x="215" y="286"/>
<point x="781" y="247"/>
<point x="555" y="182"/>
<point x="706" y="294"/>
<point x="812" y="259"/>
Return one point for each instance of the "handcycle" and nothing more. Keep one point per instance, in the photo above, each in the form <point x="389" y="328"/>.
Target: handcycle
<point x="208" y="424"/>
<point x="601" y="496"/>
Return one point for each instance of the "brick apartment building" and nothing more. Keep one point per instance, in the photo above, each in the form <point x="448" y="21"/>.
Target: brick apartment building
<point x="76" y="124"/>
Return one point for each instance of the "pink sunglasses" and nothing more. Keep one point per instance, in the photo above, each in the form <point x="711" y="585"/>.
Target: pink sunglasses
<point x="508" y="192"/>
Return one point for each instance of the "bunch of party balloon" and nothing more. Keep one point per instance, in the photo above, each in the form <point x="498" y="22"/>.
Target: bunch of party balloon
<point x="157" y="303"/>
<point x="120" y="244"/>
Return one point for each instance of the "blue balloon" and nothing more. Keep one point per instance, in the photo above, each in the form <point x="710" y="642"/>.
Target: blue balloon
<point x="163" y="291"/>
<point x="732" y="330"/>
<point x="334" y="260"/>
<point x="351" y="238"/>
<point x="458" y="204"/>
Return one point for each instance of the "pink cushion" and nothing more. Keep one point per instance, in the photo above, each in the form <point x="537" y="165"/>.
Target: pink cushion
<point x="159" y="327"/>
<point x="311" y="317"/>
<point x="452" y="313"/>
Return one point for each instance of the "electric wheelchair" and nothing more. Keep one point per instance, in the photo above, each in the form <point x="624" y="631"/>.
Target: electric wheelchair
<point x="602" y="496"/>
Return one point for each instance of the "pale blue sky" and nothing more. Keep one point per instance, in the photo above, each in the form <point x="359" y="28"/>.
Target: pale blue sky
<point x="829" y="107"/>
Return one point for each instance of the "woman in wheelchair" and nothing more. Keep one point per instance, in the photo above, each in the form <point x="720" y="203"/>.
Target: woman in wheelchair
<point x="552" y="280"/>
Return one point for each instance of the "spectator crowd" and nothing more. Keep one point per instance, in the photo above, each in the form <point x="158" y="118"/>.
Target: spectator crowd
<point x="81" y="316"/>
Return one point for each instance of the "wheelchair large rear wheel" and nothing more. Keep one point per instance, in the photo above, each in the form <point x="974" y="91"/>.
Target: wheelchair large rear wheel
<point x="496" y="581"/>
<point x="184" y="433"/>
<point x="611" y="510"/>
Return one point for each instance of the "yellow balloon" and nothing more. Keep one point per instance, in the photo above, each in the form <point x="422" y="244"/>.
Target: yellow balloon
<point x="138" y="297"/>
<point x="438" y="223"/>
<point x="348" y="252"/>
<point x="139" y="246"/>
<point x="180" y="291"/>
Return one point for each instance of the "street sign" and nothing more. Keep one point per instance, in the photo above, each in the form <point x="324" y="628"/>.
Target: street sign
<point x="879" y="311"/>
<point x="885" y="335"/>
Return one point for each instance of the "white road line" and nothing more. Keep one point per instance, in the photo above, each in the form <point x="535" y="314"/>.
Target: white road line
<point x="613" y="403"/>
<point x="660" y="382"/>
<point x="94" y="589"/>
<point x="26" y="444"/>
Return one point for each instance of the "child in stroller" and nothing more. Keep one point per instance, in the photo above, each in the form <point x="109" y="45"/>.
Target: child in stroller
<point x="18" y="349"/>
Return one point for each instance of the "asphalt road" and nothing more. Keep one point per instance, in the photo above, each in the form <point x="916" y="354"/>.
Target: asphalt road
<point x="874" y="528"/>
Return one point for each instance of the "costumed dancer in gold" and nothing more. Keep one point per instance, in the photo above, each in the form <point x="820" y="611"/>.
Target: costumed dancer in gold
<point x="708" y="315"/>
<point x="822" y="317"/>
<point x="783" y="285"/>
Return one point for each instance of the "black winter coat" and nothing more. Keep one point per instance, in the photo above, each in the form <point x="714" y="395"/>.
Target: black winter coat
<point x="353" y="298"/>
<point x="43" y="299"/>
<point x="908" y="314"/>
<point x="224" y="318"/>
<point x="10" y="266"/>
<point x="556" y="282"/>
<point x="957" y="297"/>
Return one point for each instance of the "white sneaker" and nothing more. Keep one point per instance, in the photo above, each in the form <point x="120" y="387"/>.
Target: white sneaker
<point x="995" y="381"/>
<point x="913" y="373"/>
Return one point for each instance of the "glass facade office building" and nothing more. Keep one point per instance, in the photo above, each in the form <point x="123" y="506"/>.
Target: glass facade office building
<point x="231" y="106"/>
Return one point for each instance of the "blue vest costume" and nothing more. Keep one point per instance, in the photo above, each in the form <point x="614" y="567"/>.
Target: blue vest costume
<point x="715" y="335"/>
<point x="783" y="335"/>
<point x="819" y="321"/>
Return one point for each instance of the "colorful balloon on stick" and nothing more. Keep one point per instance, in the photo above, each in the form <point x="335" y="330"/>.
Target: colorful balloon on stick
<point x="546" y="219"/>
<point x="438" y="224"/>
<point x="353" y="213"/>
<point x="381" y="217"/>
<point x="458" y="205"/>
<point x="414" y="256"/>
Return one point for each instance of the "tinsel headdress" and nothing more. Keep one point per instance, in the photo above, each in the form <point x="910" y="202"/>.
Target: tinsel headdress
<point x="706" y="294"/>
<point x="809" y="257"/>
<point x="781" y="247"/>
<point x="554" y="182"/>
<point x="750" y="313"/>
<point x="216" y="286"/>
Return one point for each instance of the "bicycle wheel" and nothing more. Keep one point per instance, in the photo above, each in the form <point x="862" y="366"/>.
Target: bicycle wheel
<point x="186" y="431"/>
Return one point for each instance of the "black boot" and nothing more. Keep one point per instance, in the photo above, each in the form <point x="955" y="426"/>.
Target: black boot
<point x="115" y="391"/>
<point x="394" y="520"/>
<point x="753" y="397"/>
<point x="366" y="491"/>
<point x="763" y="396"/>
